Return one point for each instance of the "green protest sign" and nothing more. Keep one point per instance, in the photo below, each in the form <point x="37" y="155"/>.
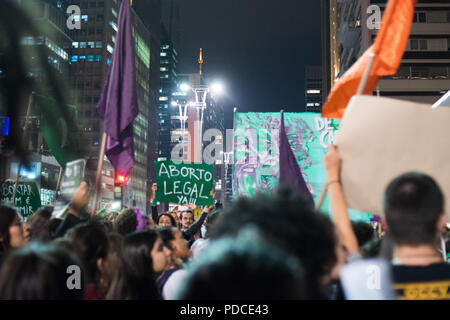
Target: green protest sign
<point x="72" y="178"/>
<point x="28" y="199"/>
<point x="184" y="183"/>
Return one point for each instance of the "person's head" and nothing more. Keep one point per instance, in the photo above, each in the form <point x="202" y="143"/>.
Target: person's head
<point x="245" y="268"/>
<point x="187" y="218"/>
<point x="288" y="222"/>
<point x="112" y="265"/>
<point x="143" y="258"/>
<point x="212" y="217"/>
<point x="103" y="222"/>
<point x="39" y="272"/>
<point x="90" y="243"/>
<point x="112" y="216"/>
<point x="11" y="231"/>
<point x="126" y="222"/>
<point x="174" y="241"/>
<point x="414" y="209"/>
<point x="39" y="224"/>
<point x="363" y="232"/>
<point x="175" y="217"/>
<point x="145" y="255"/>
<point x="165" y="220"/>
<point x="150" y="223"/>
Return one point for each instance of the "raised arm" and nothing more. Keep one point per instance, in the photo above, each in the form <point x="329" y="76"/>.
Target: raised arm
<point x="154" y="208"/>
<point x="339" y="212"/>
<point x="79" y="201"/>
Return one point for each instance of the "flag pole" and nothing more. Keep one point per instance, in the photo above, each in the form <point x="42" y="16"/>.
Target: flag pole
<point x="57" y="185"/>
<point x="365" y="78"/>
<point x="25" y="126"/>
<point x="98" y="176"/>
<point x="361" y="88"/>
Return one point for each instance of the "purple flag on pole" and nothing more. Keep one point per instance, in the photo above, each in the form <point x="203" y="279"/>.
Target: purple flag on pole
<point x="290" y="173"/>
<point x="118" y="105"/>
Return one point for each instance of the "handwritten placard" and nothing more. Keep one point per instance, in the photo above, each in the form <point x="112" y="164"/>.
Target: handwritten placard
<point x="28" y="199"/>
<point x="184" y="183"/>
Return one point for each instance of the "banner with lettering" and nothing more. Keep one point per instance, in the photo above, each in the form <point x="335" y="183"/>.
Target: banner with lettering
<point x="256" y="153"/>
<point x="184" y="183"/>
<point x="27" y="201"/>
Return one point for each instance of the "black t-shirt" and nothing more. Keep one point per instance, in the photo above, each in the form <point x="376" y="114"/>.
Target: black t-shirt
<point x="430" y="282"/>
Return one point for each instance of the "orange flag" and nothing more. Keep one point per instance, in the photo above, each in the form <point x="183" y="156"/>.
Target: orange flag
<point x="388" y="50"/>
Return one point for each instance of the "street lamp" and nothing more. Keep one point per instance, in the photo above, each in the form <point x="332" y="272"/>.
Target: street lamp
<point x="183" y="117"/>
<point x="200" y="94"/>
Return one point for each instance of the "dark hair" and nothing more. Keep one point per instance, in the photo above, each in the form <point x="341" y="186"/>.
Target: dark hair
<point x="112" y="216"/>
<point x="167" y="235"/>
<point x="90" y="243"/>
<point x="136" y="279"/>
<point x="372" y="248"/>
<point x="114" y="260"/>
<point x="172" y="220"/>
<point x="40" y="224"/>
<point x="7" y="216"/>
<point x="244" y="269"/>
<point x="187" y="211"/>
<point x="287" y="221"/>
<point x="413" y="203"/>
<point x="103" y="222"/>
<point x="126" y="222"/>
<point x="54" y="224"/>
<point x="211" y="219"/>
<point x="38" y="272"/>
<point x="363" y="232"/>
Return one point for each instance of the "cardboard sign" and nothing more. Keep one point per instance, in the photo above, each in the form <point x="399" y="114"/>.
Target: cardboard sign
<point x="28" y="199"/>
<point x="184" y="183"/>
<point x="381" y="138"/>
<point x="72" y="178"/>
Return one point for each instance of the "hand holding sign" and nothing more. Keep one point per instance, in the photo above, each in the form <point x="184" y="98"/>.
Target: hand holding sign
<point x="80" y="200"/>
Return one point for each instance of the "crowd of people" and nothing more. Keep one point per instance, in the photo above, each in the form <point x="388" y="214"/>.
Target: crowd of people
<point x="268" y="247"/>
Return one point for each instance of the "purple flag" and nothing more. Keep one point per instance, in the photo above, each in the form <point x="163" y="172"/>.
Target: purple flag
<point x="290" y="173"/>
<point x="118" y="105"/>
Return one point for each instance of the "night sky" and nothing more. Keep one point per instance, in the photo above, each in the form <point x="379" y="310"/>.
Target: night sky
<point x="258" y="48"/>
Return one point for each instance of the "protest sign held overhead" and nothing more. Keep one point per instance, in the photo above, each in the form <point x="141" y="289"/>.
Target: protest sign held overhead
<point x="184" y="183"/>
<point x="28" y="199"/>
<point x="381" y="138"/>
<point x="73" y="176"/>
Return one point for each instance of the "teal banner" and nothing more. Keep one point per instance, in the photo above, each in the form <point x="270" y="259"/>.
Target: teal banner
<point x="184" y="183"/>
<point x="256" y="153"/>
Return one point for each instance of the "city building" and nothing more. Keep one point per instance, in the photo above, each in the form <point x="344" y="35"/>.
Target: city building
<point x="53" y="36"/>
<point x="92" y="48"/>
<point x="150" y="11"/>
<point x="168" y="76"/>
<point x="313" y="89"/>
<point x="350" y="27"/>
